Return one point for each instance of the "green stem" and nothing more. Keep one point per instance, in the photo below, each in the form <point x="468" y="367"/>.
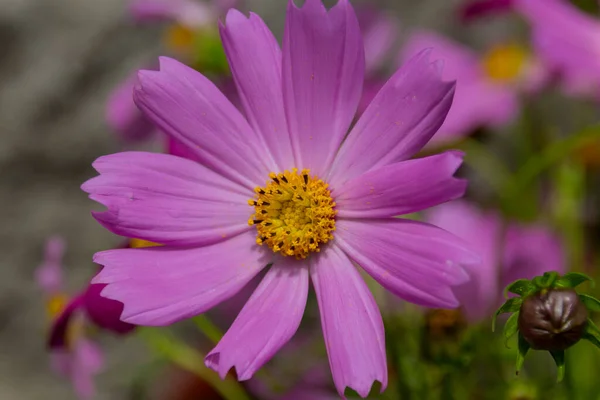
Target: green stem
<point x="191" y="360"/>
<point x="208" y="328"/>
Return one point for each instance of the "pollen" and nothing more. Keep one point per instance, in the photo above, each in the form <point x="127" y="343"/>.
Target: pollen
<point x="294" y="213"/>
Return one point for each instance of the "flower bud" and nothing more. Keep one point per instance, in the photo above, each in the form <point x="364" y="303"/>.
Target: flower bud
<point x="552" y="319"/>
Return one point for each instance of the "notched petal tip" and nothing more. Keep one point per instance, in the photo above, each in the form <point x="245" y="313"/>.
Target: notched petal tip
<point x="364" y="388"/>
<point x="213" y="361"/>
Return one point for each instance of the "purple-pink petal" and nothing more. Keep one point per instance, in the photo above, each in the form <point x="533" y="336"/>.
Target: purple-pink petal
<point x="417" y="262"/>
<point x="255" y="59"/>
<point x="482" y="232"/>
<point x="87" y="361"/>
<point x="568" y="40"/>
<point x="531" y="250"/>
<point x="477" y="101"/>
<point x="124" y="117"/>
<point x="103" y="312"/>
<point x="49" y="274"/>
<point x="323" y="71"/>
<point x="186" y="105"/>
<point x="194" y="14"/>
<point x="162" y="285"/>
<point x="167" y="199"/>
<point x="401" y="119"/>
<point x="267" y="322"/>
<point x="401" y="188"/>
<point x="351" y="322"/>
<point x="60" y="326"/>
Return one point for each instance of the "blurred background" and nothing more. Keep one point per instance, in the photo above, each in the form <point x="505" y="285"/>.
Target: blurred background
<point x="60" y="61"/>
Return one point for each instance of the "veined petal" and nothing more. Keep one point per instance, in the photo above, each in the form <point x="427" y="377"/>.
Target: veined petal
<point x="323" y="71"/>
<point x="162" y="285"/>
<point x="400" y="120"/>
<point x="417" y="262"/>
<point x="401" y="188"/>
<point x="255" y="59"/>
<point x="186" y="105"/>
<point x="167" y="199"/>
<point x="268" y="320"/>
<point x="351" y="322"/>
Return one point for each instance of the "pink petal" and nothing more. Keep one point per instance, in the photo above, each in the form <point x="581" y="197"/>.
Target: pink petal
<point x="401" y="188"/>
<point x="401" y="119"/>
<point x="477" y="103"/>
<point x="167" y="199"/>
<point x="268" y="320"/>
<point x="87" y="361"/>
<point x="193" y="14"/>
<point x="482" y="231"/>
<point x="186" y="105"/>
<point x="59" y="330"/>
<point x="351" y="323"/>
<point x="49" y="275"/>
<point x="460" y="62"/>
<point x="531" y="250"/>
<point x="255" y="60"/>
<point x="162" y="285"/>
<point x="379" y="31"/>
<point x="124" y="117"/>
<point x="567" y="39"/>
<point x="417" y="262"/>
<point x="103" y="312"/>
<point x="323" y="71"/>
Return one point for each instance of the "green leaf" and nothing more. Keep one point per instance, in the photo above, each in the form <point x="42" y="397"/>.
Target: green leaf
<point x="520" y="287"/>
<point x="592" y="333"/>
<point x="523" y="349"/>
<point x="559" y="359"/>
<point x="590" y="302"/>
<point x="547" y="280"/>
<point x="511" y="305"/>
<point x="511" y="327"/>
<point x="573" y="279"/>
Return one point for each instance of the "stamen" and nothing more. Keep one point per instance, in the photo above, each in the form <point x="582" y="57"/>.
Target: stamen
<point x="294" y="213"/>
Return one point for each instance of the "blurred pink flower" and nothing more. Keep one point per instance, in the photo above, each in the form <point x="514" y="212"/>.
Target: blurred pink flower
<point x="299" y="103"/>
<point x="525" y="251"/>
<point x="487" y="89"/>
<point x="190" y="13"/>
<point x="567" y="40"/>
<point x="72" y="354"/>
<point x="124" y="117"/>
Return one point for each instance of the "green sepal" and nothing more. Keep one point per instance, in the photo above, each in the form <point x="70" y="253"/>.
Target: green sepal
<point x="591" y="303"/>
<point x="573" y="279"/>
<point x="521" y="287"/>
<point x="512" y="305"/>
<point x="523" y="349"/>
<point x="511" y="327"/>
<point x="559" y="359"/>
<point x="592" y="333"/>
<point x="547" y="280"/>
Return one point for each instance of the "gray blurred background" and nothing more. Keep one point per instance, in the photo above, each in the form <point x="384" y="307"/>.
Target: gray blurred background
<point x="59" y="59"/>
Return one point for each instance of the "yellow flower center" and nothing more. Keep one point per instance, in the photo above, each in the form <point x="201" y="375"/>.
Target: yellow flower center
<point x="504" y="63"/>
<point x="55" y="305"/>
<point x="179" y="38"/>
<point x="294" y="213"/>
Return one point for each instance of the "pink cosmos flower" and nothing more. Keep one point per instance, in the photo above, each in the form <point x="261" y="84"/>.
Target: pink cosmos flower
<point x="568" y="40"/>
<point x="525" y="251"/>
<point x="487" y="88"/>
<point x="286" y="187"/>
<point x="73" y="355"/>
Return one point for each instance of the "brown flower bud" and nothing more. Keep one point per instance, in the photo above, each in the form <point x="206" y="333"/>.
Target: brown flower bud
<point x="552" y="319"/>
